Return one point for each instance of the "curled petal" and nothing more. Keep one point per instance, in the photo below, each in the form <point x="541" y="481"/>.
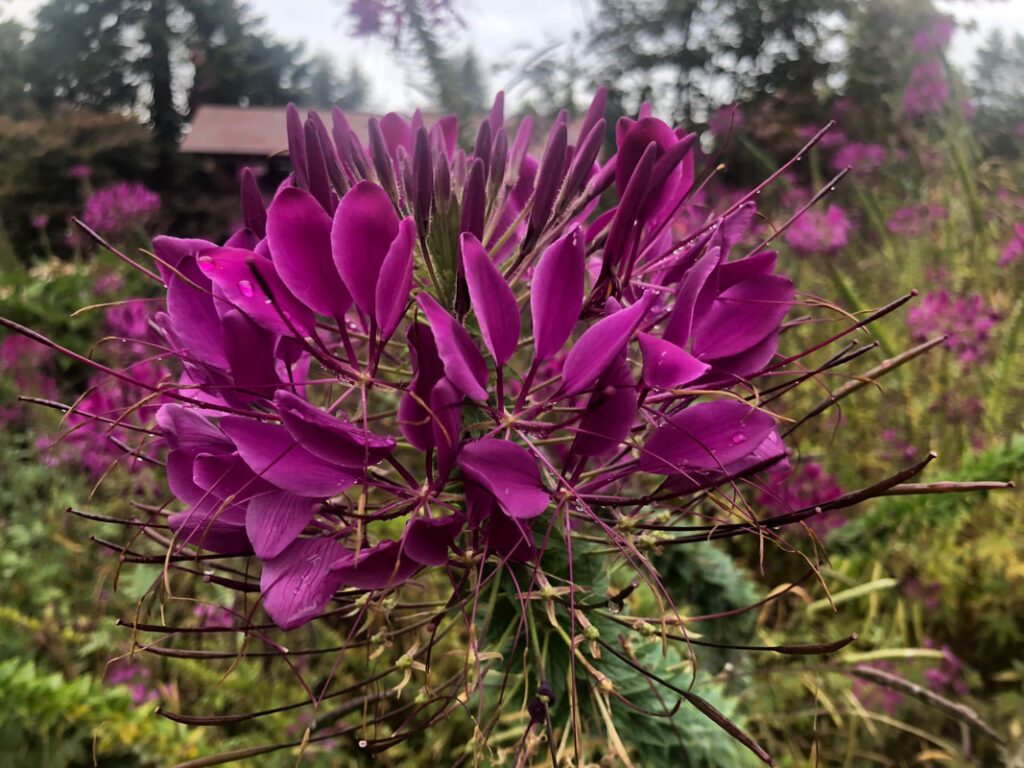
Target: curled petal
<point x="509" y="472"/>
<point x="463" y="364"/>
<point x="705" y="436"/>
<point x="213" y="525"/>
<point x="273" y="454"/>
<point x="446" y="419"/>
<point x="335" y="440"/>
<point x="413" y="419"/>
<point x="492" y="299"/>
<point x="298" y="584"/>
<point x="599" y="345"/>
<point x="610" y="412"/>
<point x="378" y="567"/>
<point x="666" y="365"/>
<point x="426" y="540"/>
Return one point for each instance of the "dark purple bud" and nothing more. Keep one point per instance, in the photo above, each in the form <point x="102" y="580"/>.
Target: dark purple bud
<point x="519" y="148"/>
<point x="496" y="118"/>
<point x="463" y="363"/>
<point x="334" y="171"/>
<point x="442" y="184"/>
<point x="492" y="300"/>
<point x="549" y="180"/>
<point x="423" y="181"/>
<point x="297" y="146"/>
<point x="382" y="162"/>
<point x="474" y="201"/>
<point x="482" y="149"/>
<point x="556" y="296"/>
<point x="583" y="160"/>
<point x="413" y="419"/>
<point x="595" y="112"/>
<point x="705" y="436"/>
<point x="254" y="212"/>
<point x="599" y="345"/>
<point x="319" y="184"/>
<point x="509" y="472"/>
<point x="499" y="157"/>
<point x="621" y="240"/>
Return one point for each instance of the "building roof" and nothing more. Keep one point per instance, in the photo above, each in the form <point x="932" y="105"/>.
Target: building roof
<point x="227" y="130"/>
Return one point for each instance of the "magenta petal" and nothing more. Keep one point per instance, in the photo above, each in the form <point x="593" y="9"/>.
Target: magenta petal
<point x="250" y="353"/>
<point x="274" y="520"/>
<point x="556" y="296"/>
<point x="395" y="279"/>
<point x="599" y="345"/>
<point x="743" y="316"/>
<point x="511" y="538"/>
<point x="378" y="567"/>
<point x="299" y="233"/>
<point x="226" y="476"/>
<point x="509" y="472"/>
<point x="328" y="437"/>
<point x="426" y="540"/>
<point x="298" y="584"/>
<point x="666" y="365"/>
<point x="179" y="477"/>
<point x="770" y="453"/>
<point x="680" y="322"/>
<point x="231" y="269"/>
<point x="273" y="454"/>
<point x="413" y="419"/>
<point x="705" y="436"/>
<point x="213" y="525"/>
<point x="194" y="318"/>
<point x="759" y="265"/>
<point x="610" y="412"/>
<point x="173" y="252"/>
<point x="185" y="428"/>
<point x="365" y="224"/>
<point x="463" y="364"/>
<point x="493" y="301"/>
<point x="446" y="405"/>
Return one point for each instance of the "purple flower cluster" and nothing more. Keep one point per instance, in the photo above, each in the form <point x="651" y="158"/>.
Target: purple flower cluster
<point x="928" y="90"/>
<point x="347" y="270"/>
<point x="967" y="321"/>
<point x="820" y="231"/>
<point x="916" y="220"/>
<point x="1014" y="248"/>
<point x="118" y="208"/>
<point x="861" y="157"/>
<point x="808" y="484"/>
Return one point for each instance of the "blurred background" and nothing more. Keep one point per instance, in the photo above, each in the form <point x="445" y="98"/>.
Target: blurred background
<point x="138" y="116"/>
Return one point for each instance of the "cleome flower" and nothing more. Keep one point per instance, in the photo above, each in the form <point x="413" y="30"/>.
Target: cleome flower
<point x="425" y="364"/>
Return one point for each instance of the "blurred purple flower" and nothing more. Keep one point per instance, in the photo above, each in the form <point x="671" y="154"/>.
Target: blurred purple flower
<point x="916" y="220"/>
<point x="80" y="171"/>
<point x="934" y="36"/>
<point x="135" y="678"/>
<point x="967" y="321"/>
<point x="947" y="676"/>
<point x="115" y="209"/>
<point x="40" y="220"/>
<point x="928" y="594"/>
<point x="878" y="697"/>
<point x="1014" y="247"/>
<point x="820" y="231"/>
<point x="863" y="158"/>
<point x="834" y="138"/>
<point x="109" y="282"/>
<point x="787" y="488"/>
<point x="928" y="90"/>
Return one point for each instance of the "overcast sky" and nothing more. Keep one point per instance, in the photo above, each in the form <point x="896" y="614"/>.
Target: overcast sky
<point x="501" y="31"/>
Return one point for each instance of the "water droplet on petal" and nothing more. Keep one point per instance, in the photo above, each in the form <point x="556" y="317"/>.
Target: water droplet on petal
<point x="246" y="288"/>
<point x="738" y="438"/>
